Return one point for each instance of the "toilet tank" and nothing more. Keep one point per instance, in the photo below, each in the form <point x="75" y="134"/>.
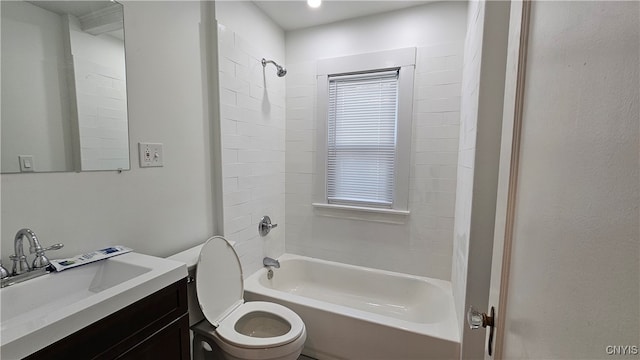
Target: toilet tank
<point x="190" y="258"/>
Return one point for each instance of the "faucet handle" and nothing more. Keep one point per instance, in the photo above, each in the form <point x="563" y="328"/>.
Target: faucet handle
<point x="54" y="247"/>
<point x="41" y="260"/>
<point x="265" y="225"/>
<point x="4" y="273"/>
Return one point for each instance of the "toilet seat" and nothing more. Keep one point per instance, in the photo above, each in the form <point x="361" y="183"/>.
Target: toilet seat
<point x="228" y="332"/>
<point x="220" y="289"/>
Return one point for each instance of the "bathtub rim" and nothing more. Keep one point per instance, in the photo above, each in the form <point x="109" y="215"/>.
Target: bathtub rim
<point x="445" y="330"/>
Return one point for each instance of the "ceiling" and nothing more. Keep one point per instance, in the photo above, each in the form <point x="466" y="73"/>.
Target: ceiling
<point x="79" y="9"/>
<point x="295" y="14"/>
<point x="75" y="8"/>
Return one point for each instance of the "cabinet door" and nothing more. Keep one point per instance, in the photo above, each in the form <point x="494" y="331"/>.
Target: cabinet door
<point x="126" y="329"/>
<point x="171" y="343"/>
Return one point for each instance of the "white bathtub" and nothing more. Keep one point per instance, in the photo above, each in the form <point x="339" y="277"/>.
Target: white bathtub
<point x="353" y="312"/>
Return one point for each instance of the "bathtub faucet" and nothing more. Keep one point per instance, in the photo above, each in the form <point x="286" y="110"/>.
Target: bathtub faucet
<point x="267" y="261"/>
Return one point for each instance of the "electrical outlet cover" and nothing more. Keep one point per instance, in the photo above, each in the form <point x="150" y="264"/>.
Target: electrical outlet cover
<point x="150" y="154"/>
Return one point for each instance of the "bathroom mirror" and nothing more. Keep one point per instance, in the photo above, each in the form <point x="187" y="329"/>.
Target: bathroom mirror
<point x="64" y="98"/>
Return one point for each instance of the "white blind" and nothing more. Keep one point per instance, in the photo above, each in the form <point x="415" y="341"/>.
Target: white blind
<point x="361" y="147"/>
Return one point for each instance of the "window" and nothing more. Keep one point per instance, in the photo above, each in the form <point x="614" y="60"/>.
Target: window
<point x="364" y="131"/>
<point x="361" y="142"/>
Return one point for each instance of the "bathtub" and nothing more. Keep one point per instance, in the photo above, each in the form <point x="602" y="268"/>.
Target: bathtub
<point x="353" y="312"/>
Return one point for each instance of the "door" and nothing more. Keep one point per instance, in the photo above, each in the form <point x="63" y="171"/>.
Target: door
<point x="565" y="279"/>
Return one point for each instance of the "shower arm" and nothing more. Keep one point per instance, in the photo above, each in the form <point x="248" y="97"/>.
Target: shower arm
<point x="265" y="62"/>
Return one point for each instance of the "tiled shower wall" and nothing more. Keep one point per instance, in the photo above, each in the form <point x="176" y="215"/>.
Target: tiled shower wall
<point x="252" y="114"/>
<point x="420" y="244"/>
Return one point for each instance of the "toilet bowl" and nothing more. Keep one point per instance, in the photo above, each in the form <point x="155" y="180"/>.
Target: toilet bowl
<point x="233" y="329"/>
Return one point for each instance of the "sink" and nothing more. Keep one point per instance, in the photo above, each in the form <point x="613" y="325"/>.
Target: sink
<point x="40" y="311"/>
<point x="64" y="288"/>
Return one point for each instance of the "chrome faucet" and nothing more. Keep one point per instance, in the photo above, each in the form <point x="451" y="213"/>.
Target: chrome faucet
<point x="20" y="264"/>
<point x="267" y="261"/>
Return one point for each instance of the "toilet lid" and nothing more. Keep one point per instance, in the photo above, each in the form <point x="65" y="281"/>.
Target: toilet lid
<point x="219" y="281"/>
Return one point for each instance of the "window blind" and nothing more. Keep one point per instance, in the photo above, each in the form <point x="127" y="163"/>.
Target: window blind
<point x="361" y="144"/>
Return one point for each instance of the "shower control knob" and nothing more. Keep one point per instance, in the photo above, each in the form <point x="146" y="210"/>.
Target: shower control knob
<point x="265" y="226"/>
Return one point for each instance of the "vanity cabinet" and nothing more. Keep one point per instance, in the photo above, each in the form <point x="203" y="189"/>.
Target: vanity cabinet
<point x="155" y="327"/>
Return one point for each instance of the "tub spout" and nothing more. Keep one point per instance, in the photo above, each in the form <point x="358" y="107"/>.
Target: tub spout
<point x="267" y="261"/>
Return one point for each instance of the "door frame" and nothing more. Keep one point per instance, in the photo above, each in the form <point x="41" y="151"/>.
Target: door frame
<point x="515" y="81"/>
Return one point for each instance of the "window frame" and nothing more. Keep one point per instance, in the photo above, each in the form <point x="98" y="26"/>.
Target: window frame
<point x="402" y="59"/>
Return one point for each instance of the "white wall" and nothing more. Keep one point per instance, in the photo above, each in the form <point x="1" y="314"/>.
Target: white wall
<point x="574" y="285"/>
<point x="35" y="97"/>
<point x="480" y="133"/>
<point x="157" y="211"/>
<point x="252" y="115"/>
<point x="421" y="244"/>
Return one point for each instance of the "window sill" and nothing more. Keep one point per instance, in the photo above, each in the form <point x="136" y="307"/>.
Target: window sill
<point x="391" y="216"/>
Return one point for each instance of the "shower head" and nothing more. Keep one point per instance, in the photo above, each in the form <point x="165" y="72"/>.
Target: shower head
<point x="281" y="71"/>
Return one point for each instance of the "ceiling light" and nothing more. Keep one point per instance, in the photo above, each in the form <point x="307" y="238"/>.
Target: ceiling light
<point x="314" y="3"/>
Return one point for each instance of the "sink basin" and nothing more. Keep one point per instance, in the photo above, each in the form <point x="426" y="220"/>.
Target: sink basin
<point x="40" y="311"/>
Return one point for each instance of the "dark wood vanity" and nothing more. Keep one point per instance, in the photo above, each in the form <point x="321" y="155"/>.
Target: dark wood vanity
<point x="155" y="327"/>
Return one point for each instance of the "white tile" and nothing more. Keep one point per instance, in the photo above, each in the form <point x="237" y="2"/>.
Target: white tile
<point x="229" y="185"/>
<point x="439" y="78"/>
<point x="439" y="63"/>
<point x="304" y="102"/>
<point x="228" y="127"/>
<point x="301" y="135"/>
<point x="247" y="102"/>
<point x="233" y="211"/>
<point x="442" y="49"/>
<point x="295" y="125"/>
<point x="229" y="156"/>
<point x="437" y="105"/>
<point x="230" y="53"/>
<point x="435" y="171"/>
<point x="296" y="146"/>
<point x="227" y="66"/>
<point x="306" y="91"/>
<point x="234" y="84"/>
<point x="436" y="158"/>
<point x="236" y="197"/>
<point x="230" y="112"/>
<point x="236" y="142"/>
<point x="438" y="91"/>
<point x="437" y="132"/>
<point x="237" y="224"/>
<point x="228" y="97"/>
<point x="236" y="170"/>
<point x="436" y="145"/>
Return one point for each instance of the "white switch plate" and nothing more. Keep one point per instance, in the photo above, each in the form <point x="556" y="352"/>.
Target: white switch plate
<point x="26" y="163"/>
<point x="150" y="154"/>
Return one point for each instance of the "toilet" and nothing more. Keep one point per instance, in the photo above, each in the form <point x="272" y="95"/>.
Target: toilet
<point x="233" y="329"/>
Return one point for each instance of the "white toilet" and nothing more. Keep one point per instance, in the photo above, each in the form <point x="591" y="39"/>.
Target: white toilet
<point x="233" y="329"/>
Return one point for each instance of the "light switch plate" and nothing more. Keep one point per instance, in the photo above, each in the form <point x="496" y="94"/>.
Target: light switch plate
<point x="150" y="154"/>
<point x="26" y="163"/>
